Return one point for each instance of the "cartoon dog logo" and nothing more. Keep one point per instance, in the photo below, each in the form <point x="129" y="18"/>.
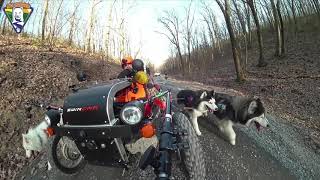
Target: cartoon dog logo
<point x="18" y="14"/>
<point x="17" y="19"/>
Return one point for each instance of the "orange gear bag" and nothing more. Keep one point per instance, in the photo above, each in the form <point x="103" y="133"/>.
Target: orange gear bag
<point x="134" y="92"/>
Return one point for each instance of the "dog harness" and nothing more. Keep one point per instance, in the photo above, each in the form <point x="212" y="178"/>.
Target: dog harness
<point x="189" y="100"/>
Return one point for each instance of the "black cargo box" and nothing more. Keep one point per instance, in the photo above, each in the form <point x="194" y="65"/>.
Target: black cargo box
<point x="92" y="106"/>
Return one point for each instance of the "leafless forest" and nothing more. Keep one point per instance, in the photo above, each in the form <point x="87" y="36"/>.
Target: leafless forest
<point x="67" y="23"/>
<point x="246" y="23"/>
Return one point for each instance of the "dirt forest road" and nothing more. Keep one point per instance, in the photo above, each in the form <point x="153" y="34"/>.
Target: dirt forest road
<point x="275" y="153"/>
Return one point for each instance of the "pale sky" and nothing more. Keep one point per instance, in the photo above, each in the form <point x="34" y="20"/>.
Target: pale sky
<point x="143" y="23"/>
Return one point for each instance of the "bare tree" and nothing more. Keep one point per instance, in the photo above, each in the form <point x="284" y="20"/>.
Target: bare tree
<point x="292" y="5"/>
<point x="188" y="35"/>
<point x="36" y="13"/>
<point x="281" y="28"/>
<point x="121" y="29"/>
<point x="316" y="5"/>
<point x="108" y="30"/>
<point x="236" y="53"/>
<point x="213" y="28"/>
<point x="261" y="61"/>
<point x="73" y="22"/>
<point x="244" y="32"/>
<point x="54" y="27"/>
<point x="44" y="20"/>
<point x="248" y="17"/>
<point x="268" y="12"/>
<point x="278" y="29"/>
<point x="171" y="22"/>
<point x="90" y="25"/>
<point x="4" y="20"/>
<point x="302" y="8"/>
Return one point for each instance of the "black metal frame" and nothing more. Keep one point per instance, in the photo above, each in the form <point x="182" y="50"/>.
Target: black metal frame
<point x="115" y="131"/>
<point x="163" y="170"/>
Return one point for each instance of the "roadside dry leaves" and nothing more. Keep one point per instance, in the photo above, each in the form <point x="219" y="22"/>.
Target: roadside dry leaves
<point x="30" y="73"/>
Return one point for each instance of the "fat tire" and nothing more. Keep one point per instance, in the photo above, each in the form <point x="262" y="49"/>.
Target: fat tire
<point x="193" y="160"/>
<point x="56" y="161"/>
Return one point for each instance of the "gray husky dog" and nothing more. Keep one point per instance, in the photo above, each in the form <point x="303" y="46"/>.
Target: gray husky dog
<point x="229" y="110"/>
<point x="238" y="110"/>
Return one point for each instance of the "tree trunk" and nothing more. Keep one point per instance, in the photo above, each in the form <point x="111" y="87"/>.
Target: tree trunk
<point x="235" y="51"/>
<point x="53" y="32"/>
<point x="268" y="13"/>
<point x="301" y="4"/>
<point x="5" y="19"/>
<point x="278" y="29"/>
<point x="261" y="62"/>
<point x="316" y="6"/>
<point x="294" y="16"/>
<point x="188" y="37"/>
<point x="71" y="32"/>
<point x="244" y="32"/>
<point x="181" y="61"/>
<point x="282" y="48"/>
<point x="249" y="36"/>
<point x="90" y="25"/>
<point x="4" y="25"/>
<point x="73" y="24"/>
<point x="108" y="31"/>
<point x="44" y="20"/>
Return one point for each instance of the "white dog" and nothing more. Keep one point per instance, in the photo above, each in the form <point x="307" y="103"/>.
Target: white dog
<point x="35" y="139"/>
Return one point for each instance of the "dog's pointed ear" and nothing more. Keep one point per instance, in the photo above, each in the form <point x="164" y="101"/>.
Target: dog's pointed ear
<point x="212" y="93"/>
<point x="256" y="97"/>
<point x="204" y="94"/>
<point x="252" y="107"/>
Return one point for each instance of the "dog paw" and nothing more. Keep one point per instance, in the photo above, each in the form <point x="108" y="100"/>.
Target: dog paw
<point x="233" y="142"/>
<point x="49" y="167"/>
<point x="28" y="153"/>
<point x="199" y="133"/>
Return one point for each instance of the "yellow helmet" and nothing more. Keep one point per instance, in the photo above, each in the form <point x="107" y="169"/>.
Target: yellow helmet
<point x="141" y="77"/>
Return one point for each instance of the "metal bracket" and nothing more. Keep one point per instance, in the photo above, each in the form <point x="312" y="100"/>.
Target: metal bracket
<point x="122" y="151"/>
